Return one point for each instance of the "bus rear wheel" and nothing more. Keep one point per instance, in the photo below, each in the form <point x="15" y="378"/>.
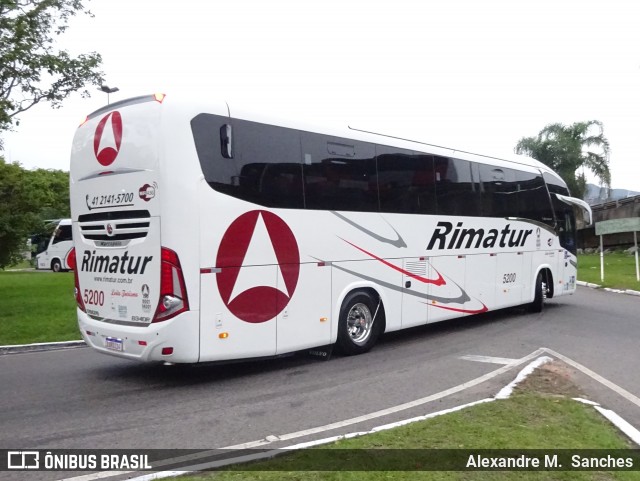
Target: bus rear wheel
<point x="56" y="266"/>
<point x="359" y="324"/>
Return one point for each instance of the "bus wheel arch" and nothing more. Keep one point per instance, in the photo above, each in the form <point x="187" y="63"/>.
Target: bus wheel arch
<point x="550" y="283"/>
<point x="542" y="289"/>
<point x="56" y="265"/>
<point x="361" y="321"/>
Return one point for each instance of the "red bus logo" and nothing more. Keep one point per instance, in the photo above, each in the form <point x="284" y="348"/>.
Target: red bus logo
<point x="108" y="138"/>
<point x="257" y="238"/>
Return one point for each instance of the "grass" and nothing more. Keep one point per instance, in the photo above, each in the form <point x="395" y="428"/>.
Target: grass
<point x="532" y="418"/>
<point x="23" y="264"/>
<point x="619" y="270"/>
<point x="37" y="307"/>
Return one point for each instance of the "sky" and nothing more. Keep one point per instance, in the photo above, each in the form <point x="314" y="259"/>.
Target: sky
<point x="466" y="74"/>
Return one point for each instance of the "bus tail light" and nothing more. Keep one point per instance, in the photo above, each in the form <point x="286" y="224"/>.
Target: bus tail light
<point x="71" y="262"/>
<point x="173" y="293"/>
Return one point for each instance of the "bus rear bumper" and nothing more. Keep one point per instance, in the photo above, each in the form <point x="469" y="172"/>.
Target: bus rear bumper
<point x="178" y="338"/>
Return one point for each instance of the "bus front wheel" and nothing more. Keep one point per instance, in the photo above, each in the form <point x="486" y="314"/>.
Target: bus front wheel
<point x="359" y="324"/>
<point x="540" y="293"/>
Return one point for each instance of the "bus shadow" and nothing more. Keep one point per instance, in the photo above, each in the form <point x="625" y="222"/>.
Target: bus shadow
<point x="302" y="363"/>
<point x="512" y="316"/>
<point x="184" y="375"/>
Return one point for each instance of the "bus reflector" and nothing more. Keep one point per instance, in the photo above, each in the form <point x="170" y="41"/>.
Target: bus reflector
<point x="142" y="343"/>
<point x="167" y="351"/>
<point x="159" y="97"/>
<point x="173" y="293"/>
<point x="71" y="261"/>
<point x="223" y="335"/>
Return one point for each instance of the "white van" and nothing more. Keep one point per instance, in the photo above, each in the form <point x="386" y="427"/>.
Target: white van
<point x="57" y="251"/>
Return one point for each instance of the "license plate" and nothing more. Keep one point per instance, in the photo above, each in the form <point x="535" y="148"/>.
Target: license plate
<point x="114" y="344"/>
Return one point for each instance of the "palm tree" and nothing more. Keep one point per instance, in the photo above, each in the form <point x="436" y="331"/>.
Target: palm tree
<point x="568" y="149"/>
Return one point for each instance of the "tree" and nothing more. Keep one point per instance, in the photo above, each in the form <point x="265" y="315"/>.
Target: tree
<point x="56" y="183"/>
<point x="569" y="150"/>
<point x="31" y="69"/>
<point x="27" y="198"/>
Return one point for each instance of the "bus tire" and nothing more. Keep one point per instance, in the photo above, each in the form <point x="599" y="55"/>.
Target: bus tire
<point x="359" y="323"/>
<point x="540" y="294"/>
<point x="56" y="266"/>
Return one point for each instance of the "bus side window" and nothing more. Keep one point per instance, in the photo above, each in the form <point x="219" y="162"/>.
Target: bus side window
<point x="268" y="160"/>
<point x="499" y="191"/>
<point x="406" y="181"/>
<point x="338" y="174"/>
<point x="456" y="188"/>
<point x="532" y="198"/>
<point x="63" y="233"/>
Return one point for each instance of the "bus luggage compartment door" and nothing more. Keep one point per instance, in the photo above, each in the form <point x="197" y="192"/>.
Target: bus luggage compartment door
<point x="238" y="312"/>
<point x="509" y="279"/>
<point x="304" y="315"/>
<point x="415" y="291"/>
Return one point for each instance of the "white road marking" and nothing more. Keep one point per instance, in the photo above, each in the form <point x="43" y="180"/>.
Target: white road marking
<point x="272" y="453"/>
<point x="623" y="425"/>
<point x="394" y="409"/>
<point x="100" y="475"/>
<point x="585" y="401"/>
<point x="605" y="382"/>
<point x="328" y="427"/>
<point x="489" y="359"/>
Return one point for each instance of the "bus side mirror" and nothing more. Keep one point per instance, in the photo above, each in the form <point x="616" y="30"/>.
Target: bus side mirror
<point x="226" y="141"/>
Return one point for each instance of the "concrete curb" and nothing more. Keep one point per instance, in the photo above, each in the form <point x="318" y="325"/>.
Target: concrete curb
<point x="623" y="291"/>
<point x="41" y="346"/>
<point x="629" y="292"/>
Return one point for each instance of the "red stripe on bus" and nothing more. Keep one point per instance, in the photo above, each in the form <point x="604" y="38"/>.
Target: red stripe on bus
<point x="438" y="282"/>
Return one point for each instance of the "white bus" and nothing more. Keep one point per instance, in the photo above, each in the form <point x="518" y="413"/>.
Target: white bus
<point x="56" y="253"/>
<point x="204" y="232"/>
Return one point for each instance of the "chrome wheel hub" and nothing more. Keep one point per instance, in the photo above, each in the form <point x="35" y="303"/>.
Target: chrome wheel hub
<point x="359" y="323"/>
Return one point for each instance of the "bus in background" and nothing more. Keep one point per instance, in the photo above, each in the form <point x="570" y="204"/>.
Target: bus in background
<point x="204" y="232"/>
<point x="56" y="252"/>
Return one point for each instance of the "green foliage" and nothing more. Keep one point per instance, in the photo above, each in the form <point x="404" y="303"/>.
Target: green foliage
<point x="570" y="149"/>
<point x="27" y="197"/>
<point x="31" y="69"/>
<point x="56" y="183"/>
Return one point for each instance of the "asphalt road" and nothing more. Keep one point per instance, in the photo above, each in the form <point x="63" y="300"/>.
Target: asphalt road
<point x="80" y="399"/>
